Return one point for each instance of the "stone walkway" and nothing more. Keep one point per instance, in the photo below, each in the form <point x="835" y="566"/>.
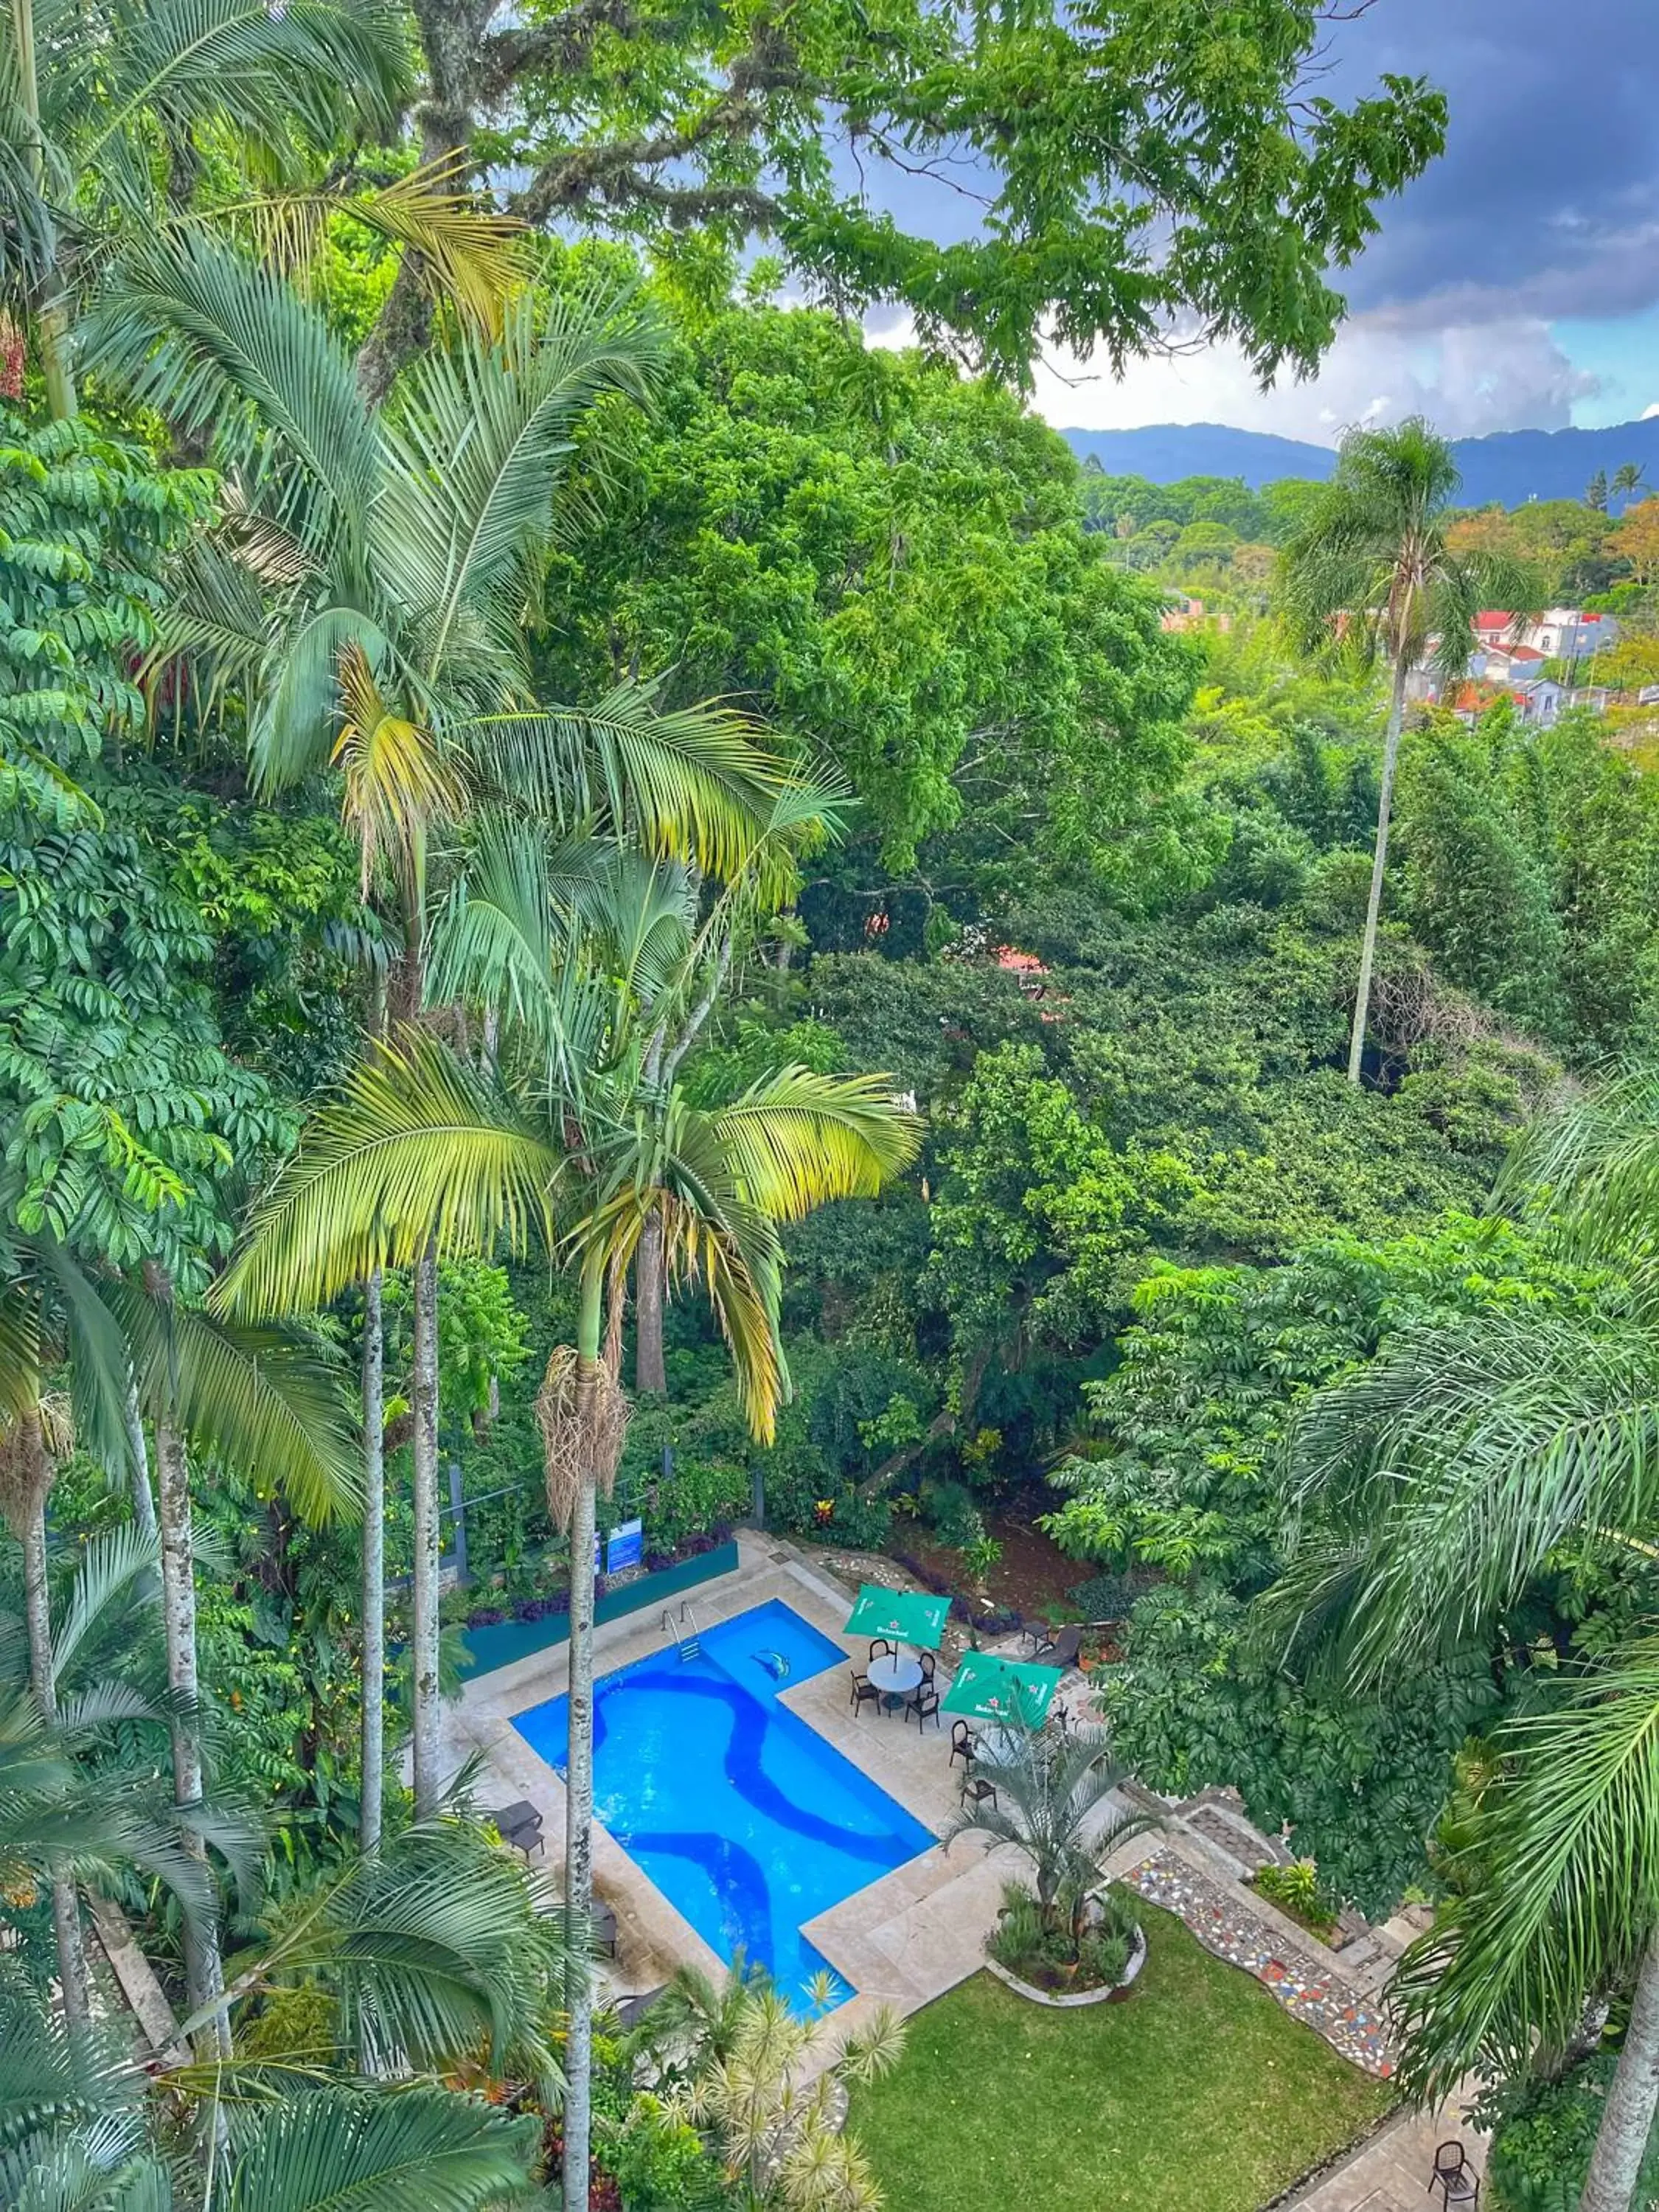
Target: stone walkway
<point x="1390" y="2173"/>
<point x="1310" y="1988"/>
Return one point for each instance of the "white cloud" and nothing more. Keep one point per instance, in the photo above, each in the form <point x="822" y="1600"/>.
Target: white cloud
<point x="1468" y="378"/>
<point x="1648" y="413"/>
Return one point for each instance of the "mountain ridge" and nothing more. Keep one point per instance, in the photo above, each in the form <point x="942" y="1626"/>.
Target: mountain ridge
<point x="1505" y="467"/>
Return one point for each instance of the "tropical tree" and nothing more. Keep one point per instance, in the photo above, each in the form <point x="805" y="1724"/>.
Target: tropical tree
<point x="762" y="2082"/>
<point x="75" y="2132"/>
<point x="1052" y="1805"/>
<point x="1448" y="1475"/>
<point x="582" y="1155"/>
<point x="364" y="596"/>
<point x="1372" y="575"/>
<point x="1626" y="479"/>
<point x="100" y="115"/>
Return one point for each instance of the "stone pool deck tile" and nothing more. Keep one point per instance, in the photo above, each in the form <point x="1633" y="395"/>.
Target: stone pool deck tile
<point x="901" y="1941"/>
<point x="1306" y="1979"/>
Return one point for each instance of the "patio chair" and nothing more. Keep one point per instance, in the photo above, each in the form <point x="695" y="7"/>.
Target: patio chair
<point x="865" y="1691"/>
<point x="1059" y="1646"/>
<point x="520" y="1825"/>
<point x="605" y="1930"/>
<point x="928" y="1663"/>
<point x="880" y="1647"/>
<point x="976" y="1789"/>
<point x="1454" y="2178"/>
<point x="963" y="1746"/>
<point x="924" y="1704"/>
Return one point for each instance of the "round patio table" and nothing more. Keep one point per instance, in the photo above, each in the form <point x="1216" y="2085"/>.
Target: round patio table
<point x="896" y="1677"/>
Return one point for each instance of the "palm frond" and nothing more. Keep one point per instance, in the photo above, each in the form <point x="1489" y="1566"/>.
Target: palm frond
<point x="1593" y="1170"/>
<point x="478" y="449"/>
<point x="112" y="1564"/>
<point x="799" y="1140"/>
<point x="689" y="784"/>
<point x="332" y="2149"/>
<point x="223" y="348"/>
<point x="1451" y="1469"/>
<point x="264" y="1398"/>
<point x="396" y="782"/>
<point x="416" y="1146"/>
<point x="471" y="255"/>
<point x="1565" y="1889"/>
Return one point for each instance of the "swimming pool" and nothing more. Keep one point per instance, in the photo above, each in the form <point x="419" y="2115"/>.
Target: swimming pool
<point x="745" y="1819"/>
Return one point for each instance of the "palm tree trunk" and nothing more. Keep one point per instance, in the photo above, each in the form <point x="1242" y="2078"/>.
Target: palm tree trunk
<point x="1379" y="863"/>
<point x="143" y="1497"/>
<point x="203" y="1969"/>
<point x="36" y="1483"/>
<point x="51" y="321"/>
<point x="650" y="1370"/>
<point x="426" y="1593"/>
<point x="374" y="1657"/>
<point x="579" y="1772"/>
<point x="1632" y="2098"/>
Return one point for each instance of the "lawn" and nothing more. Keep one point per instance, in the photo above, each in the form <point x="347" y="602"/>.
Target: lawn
<point x="1198" y="2094"/>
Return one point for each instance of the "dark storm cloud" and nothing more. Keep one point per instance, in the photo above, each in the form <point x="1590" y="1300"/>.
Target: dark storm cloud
<point x="1547" y="200"/>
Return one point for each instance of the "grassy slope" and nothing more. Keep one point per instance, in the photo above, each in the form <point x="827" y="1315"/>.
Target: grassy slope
<point x="1200" y="2094"/>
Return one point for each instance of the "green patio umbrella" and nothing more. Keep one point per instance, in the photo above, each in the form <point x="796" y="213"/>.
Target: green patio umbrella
<point x="909" y="1616"/>
<point x="988" y="1688"/>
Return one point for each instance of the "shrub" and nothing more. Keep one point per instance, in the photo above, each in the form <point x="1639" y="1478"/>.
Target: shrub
<point x="1051" y="1957"/>
<point x="1296" y="1889"/>
<point x="1105" y="1597"/>
<point x="1542" y="2135"/>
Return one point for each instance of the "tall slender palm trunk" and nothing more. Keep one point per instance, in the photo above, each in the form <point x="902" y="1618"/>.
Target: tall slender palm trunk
<point x="203" y="1967"/>
<point x="1632" y="2100"/>
<point x="33" y="1485"/>
<point x="650" y="1368"/>
<point x="373" y="1651"/>
<point x="143" y="1497"/>
<point x="52" y="323"/>
<point x="425" y="1634"/>
<point x="579" y="1772"/>
<point x="1379" y="865"/>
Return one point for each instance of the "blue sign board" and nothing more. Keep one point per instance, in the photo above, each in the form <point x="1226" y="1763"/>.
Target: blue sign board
<point x="626" y="1547"/>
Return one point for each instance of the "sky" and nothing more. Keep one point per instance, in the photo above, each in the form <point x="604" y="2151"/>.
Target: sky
<point x="1514" y="286"/>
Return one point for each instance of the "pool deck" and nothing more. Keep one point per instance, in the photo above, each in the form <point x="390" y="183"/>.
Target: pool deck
<point x="902" y="1941"/>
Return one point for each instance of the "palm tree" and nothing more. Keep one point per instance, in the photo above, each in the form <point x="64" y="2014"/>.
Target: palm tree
<point x="1626" y="479"/>
<point x="582" y="1157"/>
<point x="74" y="2134"/>
<point x="365" y="597"/>
<point x="1051" y="1805"/>
<point x="1446" y="1476"/>
<point x="764" y="2083"/>
<point x="100" y="111"/>
<point x="1371" y="574"/>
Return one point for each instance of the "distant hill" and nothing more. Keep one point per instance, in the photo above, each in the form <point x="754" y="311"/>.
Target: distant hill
<point x="1508" y="468"/>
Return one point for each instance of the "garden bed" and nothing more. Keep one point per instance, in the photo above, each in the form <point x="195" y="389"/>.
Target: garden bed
<point x="1200" y="2096"/>
<point x="490" y="1643"/>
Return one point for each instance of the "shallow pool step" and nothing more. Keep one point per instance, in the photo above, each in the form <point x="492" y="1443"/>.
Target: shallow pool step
<point x="689" y="1649"/>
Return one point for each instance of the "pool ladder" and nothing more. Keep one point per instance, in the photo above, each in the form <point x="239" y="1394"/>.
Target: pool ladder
<point x="690" y="1645"/>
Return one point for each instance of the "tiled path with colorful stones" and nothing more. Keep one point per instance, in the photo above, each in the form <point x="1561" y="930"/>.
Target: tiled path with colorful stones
<point x="1312" y="1991"/>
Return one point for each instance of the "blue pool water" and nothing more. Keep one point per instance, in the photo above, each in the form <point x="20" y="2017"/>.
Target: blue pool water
<point x="742" y="1816"/>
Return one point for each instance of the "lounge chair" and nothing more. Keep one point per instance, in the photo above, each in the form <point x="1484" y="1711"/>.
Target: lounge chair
<point x="1058" y="1647"/>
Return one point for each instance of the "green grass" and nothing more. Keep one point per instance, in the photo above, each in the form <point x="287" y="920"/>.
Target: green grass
<point x="1198" y="2094"/>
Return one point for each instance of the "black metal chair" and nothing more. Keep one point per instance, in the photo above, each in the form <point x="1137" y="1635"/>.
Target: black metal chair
<point x="880" y="1649"/>
<point x="865" y="1693"/>
<point x="924" y="1704"/>
<point x="1454" y="2178"/>
<point x="605" y="1930"/>
<point x="977" y="1787"/>
<point x="520" y="1825"/>
<point x="962" y="1745"/>
<point x="929" y="1664"/>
